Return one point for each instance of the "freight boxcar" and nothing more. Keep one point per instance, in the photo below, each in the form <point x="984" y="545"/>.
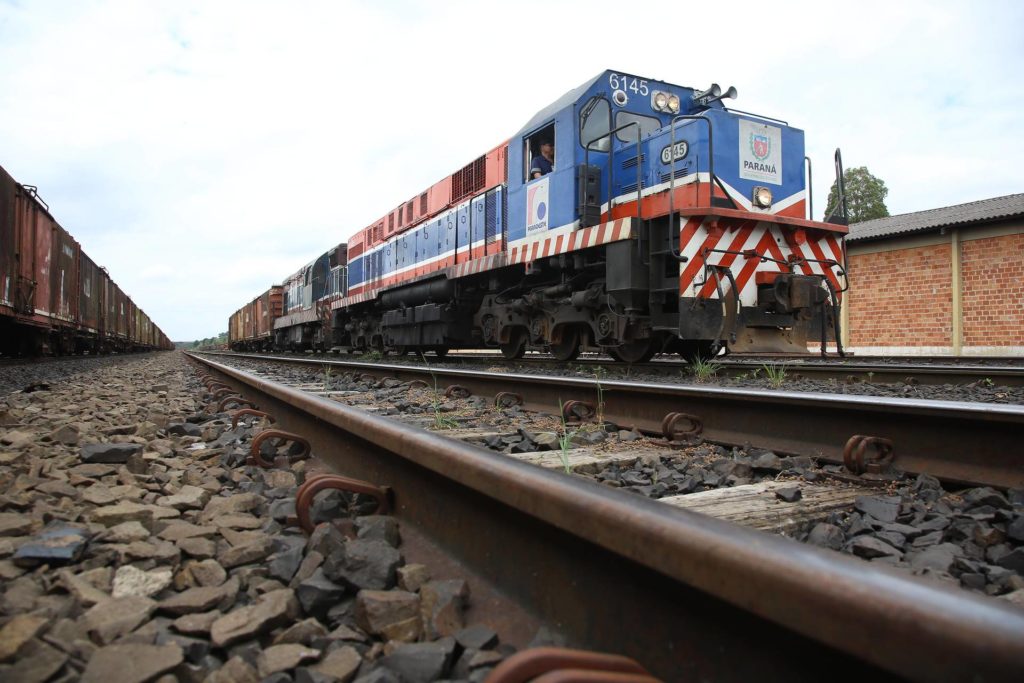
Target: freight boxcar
<point x="53" y="297"/>
<point x="251" y="328"/>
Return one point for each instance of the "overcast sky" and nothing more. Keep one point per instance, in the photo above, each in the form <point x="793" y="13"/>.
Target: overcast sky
<point x="202" y="151"/>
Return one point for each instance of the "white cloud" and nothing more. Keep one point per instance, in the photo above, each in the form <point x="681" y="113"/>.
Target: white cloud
<point x="202" y="151"/>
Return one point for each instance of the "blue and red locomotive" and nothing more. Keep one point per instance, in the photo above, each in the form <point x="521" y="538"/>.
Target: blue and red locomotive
<point x="667" y="223"/>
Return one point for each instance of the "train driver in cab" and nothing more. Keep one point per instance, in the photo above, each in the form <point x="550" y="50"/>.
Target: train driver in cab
<point x="543" y="162"/>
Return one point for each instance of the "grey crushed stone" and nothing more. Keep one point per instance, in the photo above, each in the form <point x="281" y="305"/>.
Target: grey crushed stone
<point x="173" y="539"/>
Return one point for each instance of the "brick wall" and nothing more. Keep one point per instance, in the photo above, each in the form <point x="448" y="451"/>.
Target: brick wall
<point x="901" y="297"/>
<point x="993" y="291"/>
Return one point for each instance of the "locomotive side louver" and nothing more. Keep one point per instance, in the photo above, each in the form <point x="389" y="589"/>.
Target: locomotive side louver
<point x="469" y="180"/>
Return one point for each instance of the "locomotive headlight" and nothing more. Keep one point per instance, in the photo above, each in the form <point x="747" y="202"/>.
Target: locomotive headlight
<point x="673" y="104"/>
<point x="762" y="197"/>
<point x="659" y="101"/>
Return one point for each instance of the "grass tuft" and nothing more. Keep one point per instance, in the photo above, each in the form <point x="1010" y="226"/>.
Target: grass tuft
<point x="775" y="374"/>
<point x="564" y="439"/>
<point x="441" y="421"/>
<point x="704" y="369"/>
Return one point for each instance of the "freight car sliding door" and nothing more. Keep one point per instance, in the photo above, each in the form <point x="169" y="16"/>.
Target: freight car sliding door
<point x="8" y="241"/>
<point x="64" y="277"/>
<point x="90" y="294"/>
<point x="35" y="249"/>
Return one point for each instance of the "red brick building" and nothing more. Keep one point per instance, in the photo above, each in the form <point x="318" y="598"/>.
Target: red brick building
<point x="946" y="281"/>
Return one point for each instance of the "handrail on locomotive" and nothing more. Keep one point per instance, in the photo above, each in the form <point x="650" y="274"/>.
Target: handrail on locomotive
<point x="639" y="166"/>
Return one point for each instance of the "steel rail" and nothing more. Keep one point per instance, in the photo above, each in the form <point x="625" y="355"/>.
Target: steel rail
<point x="958" y="442"/>
<point x="1002" y="375"/>
<point x="842" y="371"/>
<point x="688" y="596"/>
<point x="886" y="373"/>
<point x="1008" y="376"/>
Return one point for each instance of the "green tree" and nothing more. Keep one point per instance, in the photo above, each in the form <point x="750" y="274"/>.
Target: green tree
<point x="865" y="195"/>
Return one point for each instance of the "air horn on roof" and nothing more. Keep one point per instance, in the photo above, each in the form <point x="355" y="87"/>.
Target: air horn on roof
<point x="713" y="94"/>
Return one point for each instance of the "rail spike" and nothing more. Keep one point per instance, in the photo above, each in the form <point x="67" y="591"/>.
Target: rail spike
<point x="507" y="399"/>
<point x="670" y="426"/>
<point x="562" y="665"/>
<point x="580" y="411"/>
<point x="254" y="449"/>
<point x="236" y="415"/>
<point x="323" y="482"/>
<point x="457" y="391"/>
<point x="233" y="399"/>
<point x="857" y="460"/>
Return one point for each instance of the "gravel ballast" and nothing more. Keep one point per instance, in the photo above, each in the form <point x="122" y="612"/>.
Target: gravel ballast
<point x="136" y="545"/>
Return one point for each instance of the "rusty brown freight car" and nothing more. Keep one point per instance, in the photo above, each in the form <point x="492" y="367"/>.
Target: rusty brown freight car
<point x="251" y="328"/>
<point x="53" y="297"/>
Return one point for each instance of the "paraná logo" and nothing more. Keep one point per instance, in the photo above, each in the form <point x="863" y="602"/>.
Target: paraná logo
<point x="760" y="146"/>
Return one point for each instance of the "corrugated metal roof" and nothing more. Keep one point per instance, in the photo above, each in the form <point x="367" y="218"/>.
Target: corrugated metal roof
<point x="983" y="211"/>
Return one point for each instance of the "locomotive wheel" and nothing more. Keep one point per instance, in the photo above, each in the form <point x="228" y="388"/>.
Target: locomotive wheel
<point x="516" y="346"/>
<point x="439" y="351"/>
<point x="569" y="347"/>
<point x="636" y="351"/>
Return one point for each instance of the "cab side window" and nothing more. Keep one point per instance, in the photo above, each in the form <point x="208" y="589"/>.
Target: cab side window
<point x="539" y="153"/>
<point x="595" y="122"/>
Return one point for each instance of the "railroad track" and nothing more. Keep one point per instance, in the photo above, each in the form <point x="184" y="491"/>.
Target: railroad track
<point x="1004" y="372"/>
<point x="714" y="600"/>
<point x="929" y="437"/>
